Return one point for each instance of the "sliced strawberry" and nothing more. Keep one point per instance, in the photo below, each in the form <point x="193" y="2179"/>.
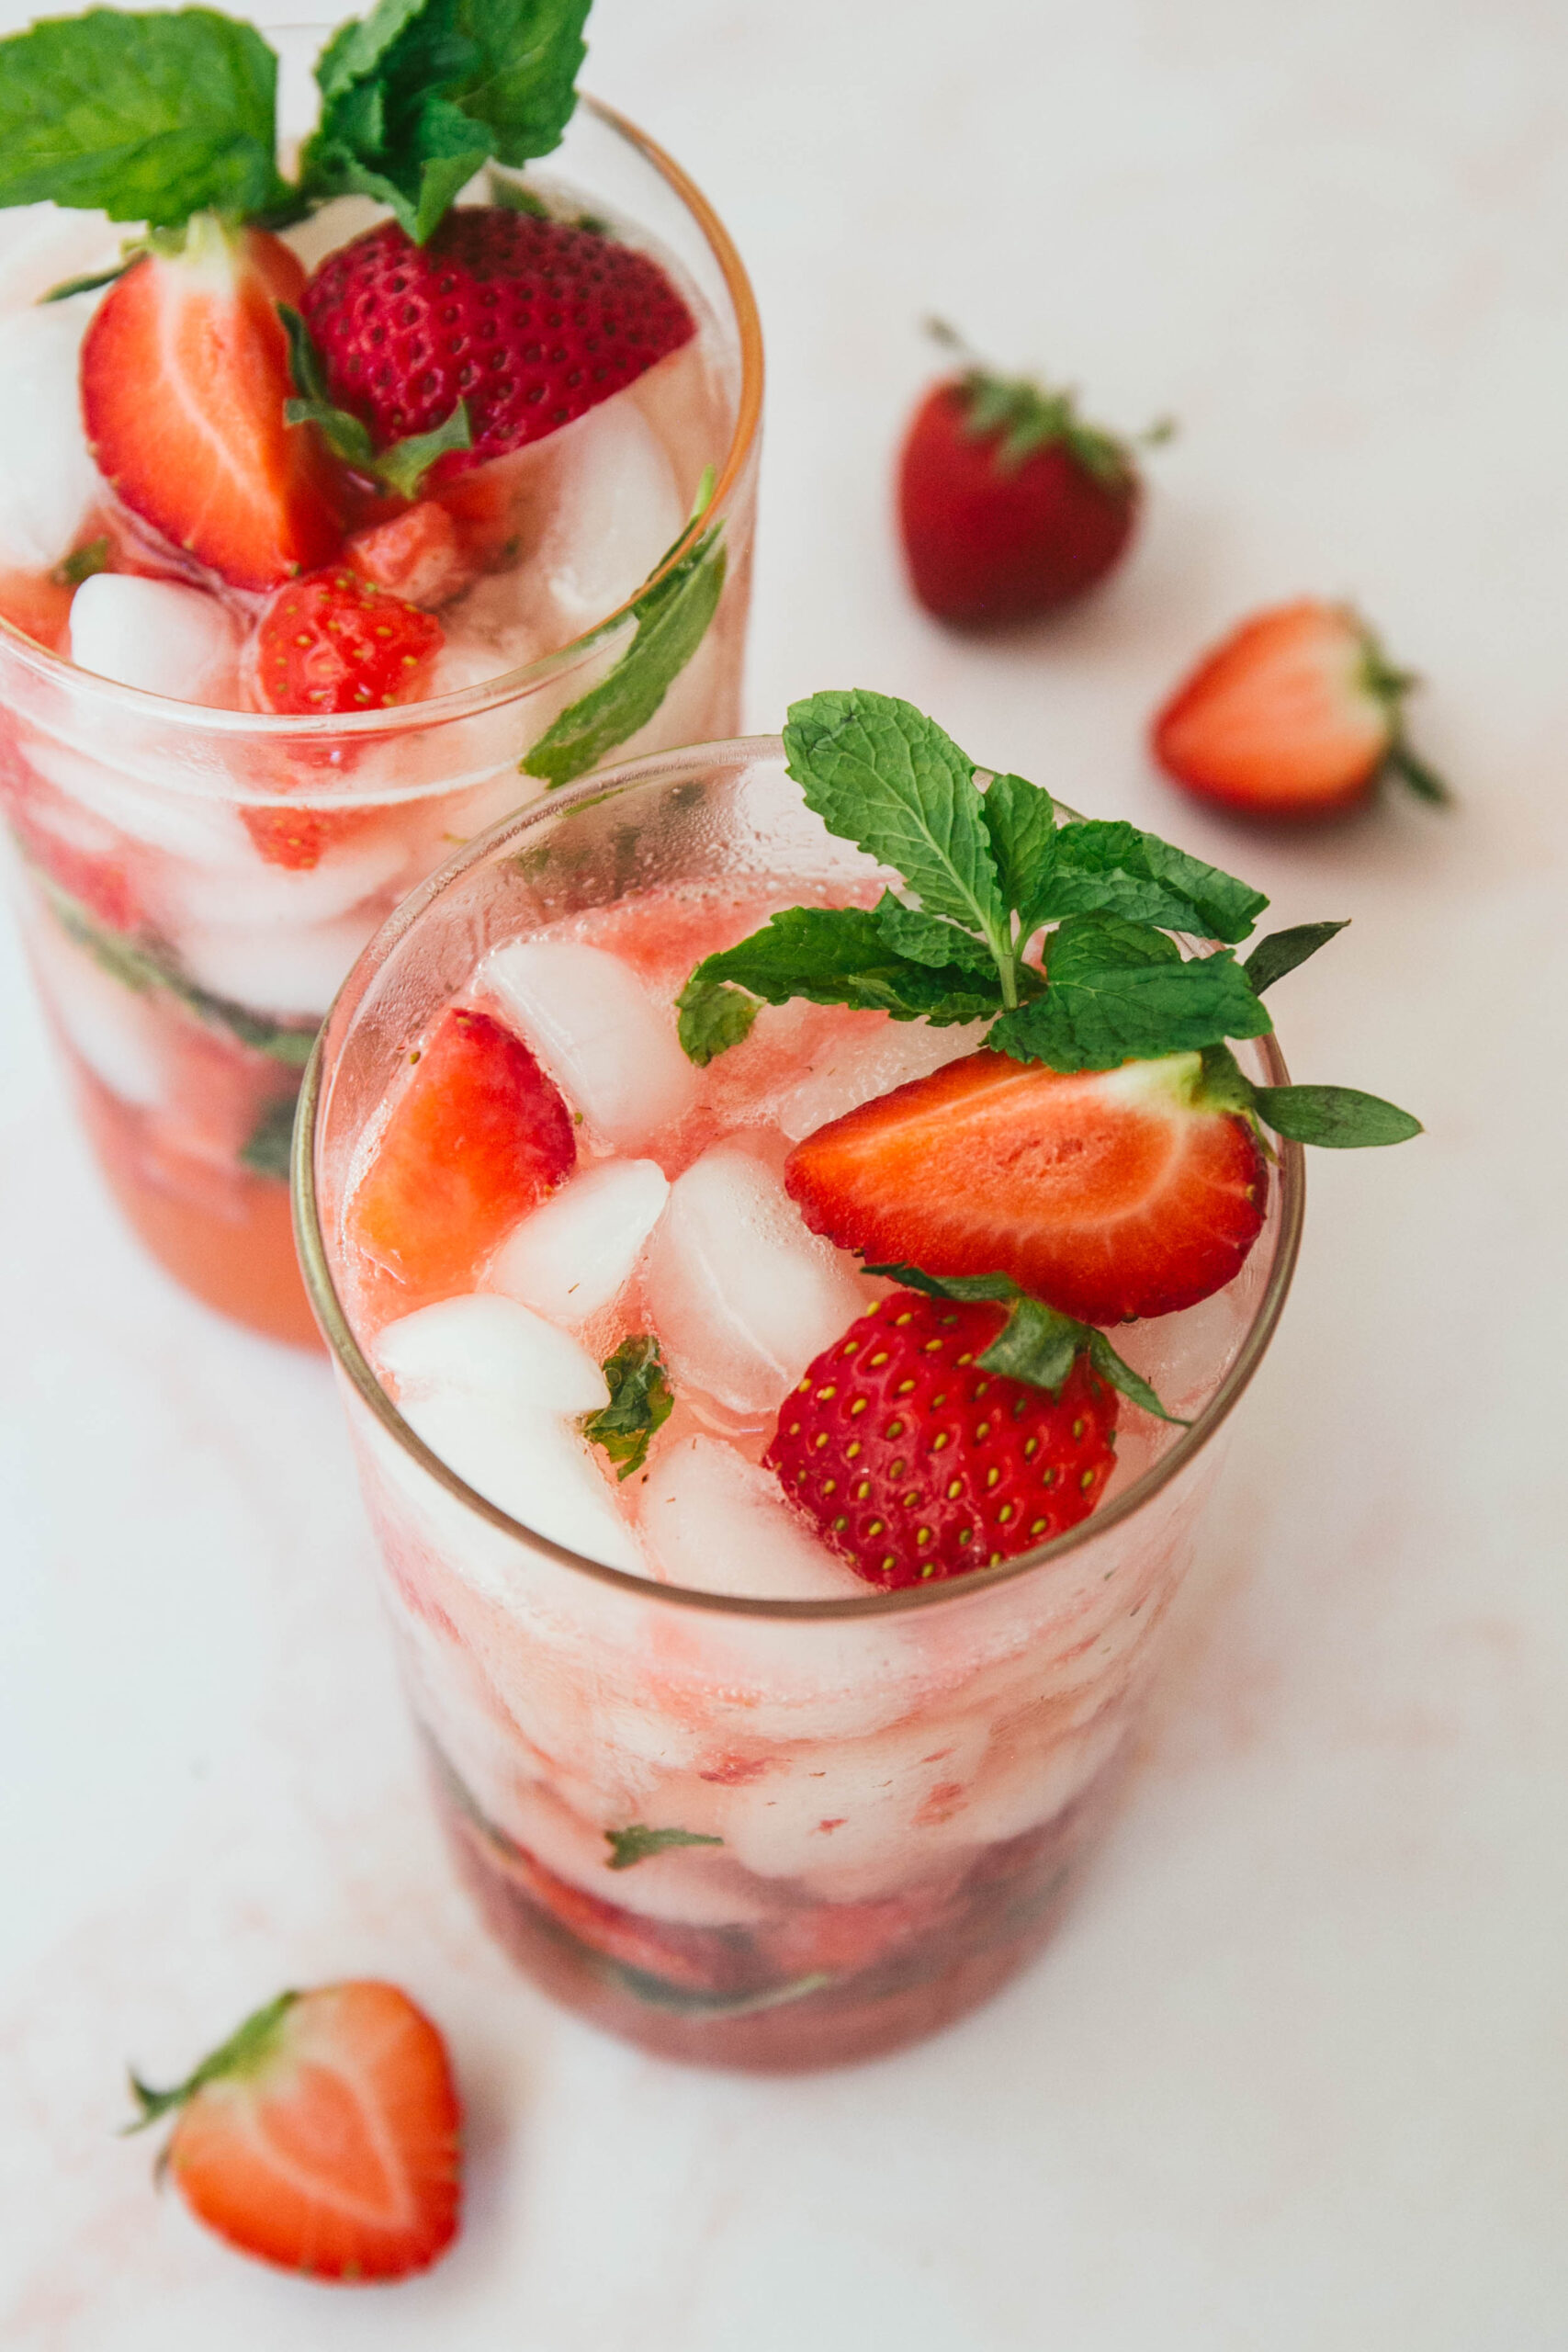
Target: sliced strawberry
<point x="1296" y="714"/>
<point x="477" y="1138"/>
<point x="413" y="555"/>
<point x="185" y="372"/>
<point x="914" y="1464"/>
<point x="323" y="2137"/>
<point x="298" y="838"/>
<point x="1112" y="1194"/>
<point x="333" y="643"/>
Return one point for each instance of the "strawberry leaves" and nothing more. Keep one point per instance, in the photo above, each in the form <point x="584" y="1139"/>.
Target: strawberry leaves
<point x="403" y="466"/>
<point x="988" y="867"/>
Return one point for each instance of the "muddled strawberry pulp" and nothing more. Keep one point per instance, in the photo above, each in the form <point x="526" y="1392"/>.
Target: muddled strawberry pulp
<point x="757" y="1859"/>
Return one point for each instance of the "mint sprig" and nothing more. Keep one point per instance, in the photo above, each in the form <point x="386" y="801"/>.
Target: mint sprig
<point x="403" y="466"/>
<point x="636" y="1844"/>
<point x="641" y="1403"/>
<point x="1037" y="1343"/>
<point x="160" y="116"/>
<point x="989" y="871"/>
<point x="671" y="617"/>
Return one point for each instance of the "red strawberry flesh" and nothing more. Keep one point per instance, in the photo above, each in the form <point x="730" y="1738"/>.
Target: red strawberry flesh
<point x="531" y="321"/>
<point x="479" y="1137"/>
<point x="335" y="643"/>
<point x="914" y="1464"/>
<point x="185" y="372"/>
<point x="1110" y="1194"/>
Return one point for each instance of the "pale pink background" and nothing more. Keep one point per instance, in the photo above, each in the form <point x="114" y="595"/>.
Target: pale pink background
<point x="1295" y="2074"/>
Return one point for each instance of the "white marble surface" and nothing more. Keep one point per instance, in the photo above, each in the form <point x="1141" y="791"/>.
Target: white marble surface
<point x="1293" y="2075"/>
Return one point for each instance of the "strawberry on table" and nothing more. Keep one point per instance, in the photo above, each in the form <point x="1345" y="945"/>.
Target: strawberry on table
<point x="1010" y="505"/>
<point x="479" y="1137"/>
<point x="185" y="372"/>
<point x="914" y="1461"/>
<point x="322" y="2136"/>
<point x="1298" y="714"/>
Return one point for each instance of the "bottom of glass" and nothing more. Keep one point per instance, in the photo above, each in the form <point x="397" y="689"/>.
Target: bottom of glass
<point x="826" y="1984"/>
<point x="226" y="1236"/>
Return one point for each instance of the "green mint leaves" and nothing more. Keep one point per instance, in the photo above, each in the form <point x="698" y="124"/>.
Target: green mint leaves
<point x="155" y="116"/>
<point x="403" y="466"/>
<point x="1061" y="931"/>
<point x="147" y="118"/>
<point x="641" y="1403"/>
<point x="671" y="618"/>
<point x="267" y="1150"/>
<point x="1037" y="1343"/>
<point x="418" y="95"/>
<point x="636" y="1844"/>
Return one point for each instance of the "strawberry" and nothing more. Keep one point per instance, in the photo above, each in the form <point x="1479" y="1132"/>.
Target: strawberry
<point x="333" y="642"/>
<point x="1297" y="714"/>
<point x="528" y="321"/>
<point x="298" y="839"/>
<point x="38" y="605"/>
<point x="477" y="1139"/>
<point x="913" y="1463"/>
<point x="1010" y="505"/>
<point x="1110" y="1194"/>
<point x="185" y="371"/>
<point x="414" y="555"/>
<point x="322" y="2136"/>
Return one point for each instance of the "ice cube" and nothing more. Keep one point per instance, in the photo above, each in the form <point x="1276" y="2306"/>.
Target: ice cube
<point x="609" y="1048"/>
<point x="615" y="511"/>
<point x="188" y="822"/>
<point x="684" y="399"/>
<point x="697" y="1886"/>
<point x="495" y="1391"/>
<point x="108" y="1024"/>
<point x="572" y="1257"/>
<point x="250" y="891"/>
<point x="290" y="970"/>
<point x="741" y="1296"/>
<point x="857" y="1817"/>
<point x="866" y="1063"/>
<point x="49" y="484"/>
<point x="718" y="1523"/>
<point x="157" y="635"/>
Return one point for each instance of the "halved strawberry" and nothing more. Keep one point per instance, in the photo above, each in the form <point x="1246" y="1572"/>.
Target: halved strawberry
<point x="1110" y="1194"/>
<point x="185" y="372"/>
<point x="413" y="555"/>
<point x="323" y="2136"/>
<point x="1297" y="714"/>
<point x="477" y="1139"/>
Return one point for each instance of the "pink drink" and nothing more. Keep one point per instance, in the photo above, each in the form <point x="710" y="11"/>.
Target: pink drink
<point x="197" y="873"/>
<point x="891" y="1788"/>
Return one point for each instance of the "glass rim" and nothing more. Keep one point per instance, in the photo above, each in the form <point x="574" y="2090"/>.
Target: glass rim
<point x="609" y="782"/>
<point x="509" y="686"/>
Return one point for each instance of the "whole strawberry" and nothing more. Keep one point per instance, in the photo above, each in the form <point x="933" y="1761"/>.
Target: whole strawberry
<point x="527" y="320"/>
<point x="914" y="1461"/>
<point x="1297" y="714"/>
<point x="322" y="2136"/>
<point x="1009" y="503"/>
<point x="332" y="642"/>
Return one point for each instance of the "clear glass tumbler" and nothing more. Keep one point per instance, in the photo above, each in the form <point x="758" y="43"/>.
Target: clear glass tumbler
<point x="194" y="883"/>
<point x="902" y="1783"/>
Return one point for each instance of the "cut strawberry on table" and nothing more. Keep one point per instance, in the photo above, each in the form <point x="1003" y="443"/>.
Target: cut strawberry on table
<point x="526" y="321"/>
<point x="333" y="643"/>
<point x="1010" y="505"/>
<point x="1110" y="1194"/>
<point x="477" y="1139"/>
<point x="1298" y="714"/>
<point x="323" y="2136"/>
<point x="915" y="1462"/>
<point x="185" y="372"/>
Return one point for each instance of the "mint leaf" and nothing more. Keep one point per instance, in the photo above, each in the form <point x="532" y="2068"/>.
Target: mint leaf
<point x="641" y="1403"/>
<point x="1281" y="951"/>
<point x="671" y="618"/>
<point x="421" y="93"/>
<point x="711" y="1018"/>
<point x="1020" y="818"/>
<point x="636" y="1844"/>
<point x="91" y="283"/>
<point x="148" y="117"/>
<point x="1037" y="1344"/>
<point x="927" y="939"/>
<point x="404" y="465"/>
<point x="1116" y="868"/>
<point x="82" y="563"/>
<point x="1086" y="943"/>
<point x="1111" y="1012"/>
<point x="881" y="774"/>
<point x="841" y="956"/>
<point x="1336" y="1116"/>
<point x="268" y="1149"/>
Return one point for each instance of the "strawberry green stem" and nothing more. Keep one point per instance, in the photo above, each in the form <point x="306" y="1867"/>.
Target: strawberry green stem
<point x="244" y="2051"/>
<point x="1424" y="782"/>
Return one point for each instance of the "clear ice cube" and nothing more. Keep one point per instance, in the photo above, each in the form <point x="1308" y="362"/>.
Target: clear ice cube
<point x="48" y="484"/>
<point x="610" y="1048"/>
<point x="157" y="635"/>
<point x="575" y="1253"/>
<point x="716" y="1522"/>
